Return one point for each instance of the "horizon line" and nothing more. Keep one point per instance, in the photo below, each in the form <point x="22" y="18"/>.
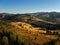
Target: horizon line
<point x="28" y="12"/>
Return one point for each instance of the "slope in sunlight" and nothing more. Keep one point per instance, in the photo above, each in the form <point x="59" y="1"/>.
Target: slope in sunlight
<point x="22" y="34"/>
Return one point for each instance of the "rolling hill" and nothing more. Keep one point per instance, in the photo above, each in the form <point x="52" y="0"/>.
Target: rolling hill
<point x="41" y="28"/>
<point x="21" y="33"/>
<point x="48" y="16"/>
<point x="33" y="20"/>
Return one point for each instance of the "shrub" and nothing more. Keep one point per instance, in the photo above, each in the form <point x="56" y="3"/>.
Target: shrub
<point x="13" y="37"/>
<point x="5" y="40"/>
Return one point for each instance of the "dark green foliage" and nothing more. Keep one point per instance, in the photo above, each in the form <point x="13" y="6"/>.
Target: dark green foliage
<point x="9" y="39"/>
<point x="52" y="42"/>
<point x="4" y="40"/>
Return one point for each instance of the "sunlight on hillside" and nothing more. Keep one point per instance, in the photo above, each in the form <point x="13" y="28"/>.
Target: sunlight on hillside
<point x="26" y="33"/>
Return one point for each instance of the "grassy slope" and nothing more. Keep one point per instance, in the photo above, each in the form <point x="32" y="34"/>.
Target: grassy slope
<point x="25" y="32"/>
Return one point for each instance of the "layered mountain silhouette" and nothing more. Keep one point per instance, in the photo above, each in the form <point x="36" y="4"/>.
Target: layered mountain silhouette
<point x="44" y="20"/>
<point x="41" y="28"/>
<point x="47" y="16"/>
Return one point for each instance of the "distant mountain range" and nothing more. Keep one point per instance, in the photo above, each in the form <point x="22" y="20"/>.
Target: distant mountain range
<point x="39" y="19"/>
<point x="41" y="28"/>
<point x="47" y="16"/>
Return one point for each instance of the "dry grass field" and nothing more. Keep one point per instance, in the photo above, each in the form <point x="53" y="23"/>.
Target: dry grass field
<point x="27" y="34"/>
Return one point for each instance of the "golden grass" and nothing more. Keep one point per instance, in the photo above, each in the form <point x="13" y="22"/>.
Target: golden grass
<point x="28" y="33"/>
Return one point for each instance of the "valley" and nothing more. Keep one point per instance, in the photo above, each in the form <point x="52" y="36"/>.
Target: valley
<point x="29" y="29"/>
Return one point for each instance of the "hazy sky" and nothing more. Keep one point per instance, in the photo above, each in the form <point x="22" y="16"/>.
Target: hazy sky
<point x="28" y="6"/>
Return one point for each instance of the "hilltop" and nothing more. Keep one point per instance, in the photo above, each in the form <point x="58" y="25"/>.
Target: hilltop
<point x="23" y="33"/>
<point x="39" y="28"/>
<point x="35" y="19"/>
